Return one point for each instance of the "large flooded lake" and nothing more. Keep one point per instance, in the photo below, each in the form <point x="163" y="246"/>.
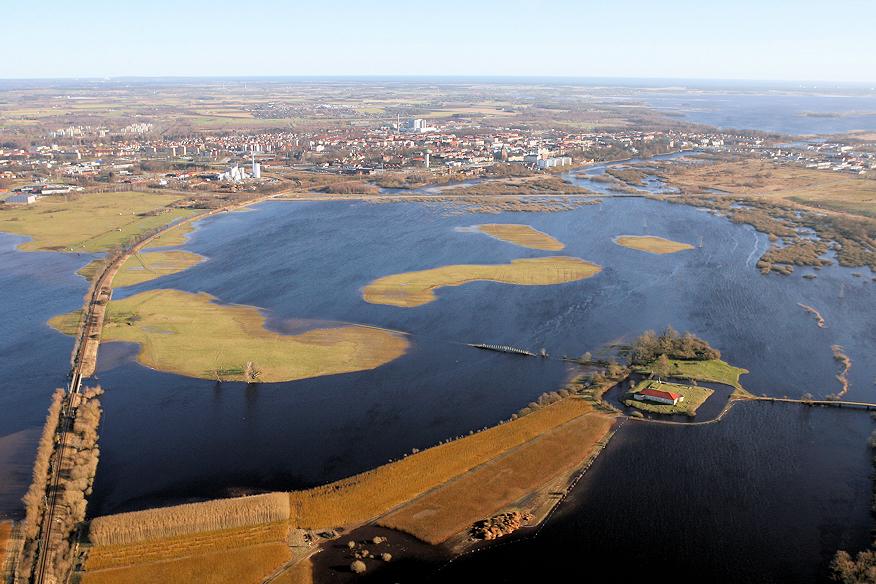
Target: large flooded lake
<point x="782" y="486"/>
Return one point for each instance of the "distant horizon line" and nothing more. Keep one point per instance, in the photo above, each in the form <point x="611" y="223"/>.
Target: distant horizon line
<point x="712" y="81"/>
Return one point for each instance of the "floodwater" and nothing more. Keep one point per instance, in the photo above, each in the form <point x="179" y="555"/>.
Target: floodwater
<point x="786" y="113"/>
<point x="35" y="359"/>
<point x="782" y="487"/>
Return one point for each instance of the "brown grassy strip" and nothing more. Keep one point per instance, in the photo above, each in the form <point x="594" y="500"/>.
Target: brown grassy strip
<point x="137" y="526"/>
<point x="814" y="312"/>
<point x="843" y="376"/>
<point x="5" y="534"/>
<point x="300" y="573"/>
<point x="103" y="557"/>
<point x="522" y="235"/>
<point x="492" y="487"/>
<point x="246" y="565"/>
<point x="373" y="493"/>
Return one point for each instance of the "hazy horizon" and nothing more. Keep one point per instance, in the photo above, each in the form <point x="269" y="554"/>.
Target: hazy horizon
<point x="779" y="41"/>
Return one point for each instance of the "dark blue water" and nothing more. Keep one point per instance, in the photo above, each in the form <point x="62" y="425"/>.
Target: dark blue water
<point x="767" y="496"/>
<point x="167" y="438"/>
<point x="786" y="113"/>
<point x="35" y="359"/>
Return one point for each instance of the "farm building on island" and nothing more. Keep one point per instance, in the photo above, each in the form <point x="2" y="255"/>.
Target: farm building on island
<point x="659" y="396"/>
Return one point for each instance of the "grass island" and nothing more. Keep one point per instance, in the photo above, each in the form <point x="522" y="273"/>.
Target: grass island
<point x="522" y="235"/>
<point x="412" y="289"/>
<point x="194" y="335"/>
<point x="651" y="244"/>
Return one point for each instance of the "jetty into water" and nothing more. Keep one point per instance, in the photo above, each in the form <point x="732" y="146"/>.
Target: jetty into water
<point x="506" y="349"/>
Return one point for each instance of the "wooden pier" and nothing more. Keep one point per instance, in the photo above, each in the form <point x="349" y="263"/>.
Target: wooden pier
<point x="827" y="403"/>
<point x="504" y="349"/>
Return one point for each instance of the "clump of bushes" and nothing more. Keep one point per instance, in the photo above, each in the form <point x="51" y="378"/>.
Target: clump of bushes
<point x="649" y="346"/>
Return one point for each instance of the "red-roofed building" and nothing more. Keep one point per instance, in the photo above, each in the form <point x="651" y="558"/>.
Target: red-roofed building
<point x="659" y="396"/>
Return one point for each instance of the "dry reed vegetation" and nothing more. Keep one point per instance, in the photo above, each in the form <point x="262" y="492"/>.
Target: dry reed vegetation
<point x="77" y="468"/>
<point x="365" y="496"/>
<point x="34" y="499"/>
<point x="522" y="235"/>
<point x="650" y="244"/>
<point x="192" y="518"/>
<point x="753" y="176"/>
<point x="417" y="288"/>
<point x="5" y="534"/>
<point x="498" y="483"/>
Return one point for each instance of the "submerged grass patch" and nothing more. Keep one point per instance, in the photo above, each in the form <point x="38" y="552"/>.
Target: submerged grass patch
<point x="90" y="223"/>
<point x="191" y="334"/>
<point x="522" y="235"/>
<point x="173" y="237"/>
<point x="651" y="244"/>
<point x="143" y="267"/>
<point x="417" y="288"/>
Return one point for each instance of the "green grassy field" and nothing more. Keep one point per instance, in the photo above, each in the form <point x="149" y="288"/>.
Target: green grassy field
<point x="89" y="223"/>
<point x="714" y="370"/>
<point x="193" y="335"/>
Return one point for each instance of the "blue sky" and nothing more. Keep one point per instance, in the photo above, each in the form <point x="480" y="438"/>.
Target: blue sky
<point x="707" y="39"/>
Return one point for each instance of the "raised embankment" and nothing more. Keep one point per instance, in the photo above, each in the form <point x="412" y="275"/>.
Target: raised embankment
<point x="38" y="567"/>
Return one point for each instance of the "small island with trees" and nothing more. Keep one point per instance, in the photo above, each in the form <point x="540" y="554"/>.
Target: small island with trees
<point x="673" y="355"/>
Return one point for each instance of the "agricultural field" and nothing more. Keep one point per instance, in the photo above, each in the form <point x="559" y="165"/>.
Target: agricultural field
<point x="501" y="482"/>
<point x="193" y="335"/>
<point x="650" y="244"/>
<point x="522" y="235"/>
<point x="371" y="494"/>
<point x="413" y="289"/>
<point x="238" y="556"/>
<point x="90" y="223"/>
